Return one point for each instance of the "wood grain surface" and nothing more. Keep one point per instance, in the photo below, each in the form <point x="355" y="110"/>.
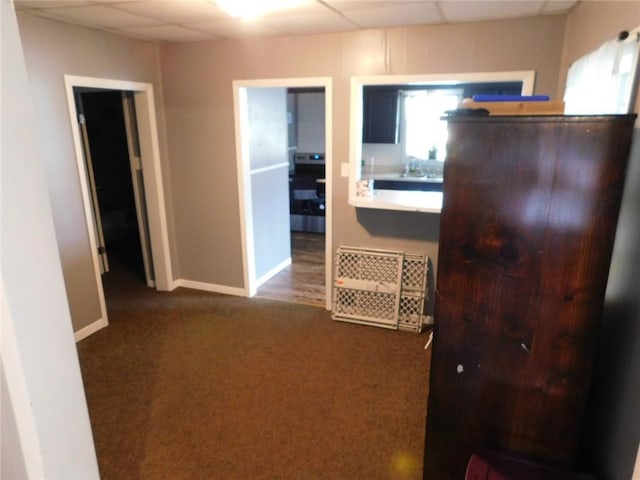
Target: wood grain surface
<point x="526" y="235"/>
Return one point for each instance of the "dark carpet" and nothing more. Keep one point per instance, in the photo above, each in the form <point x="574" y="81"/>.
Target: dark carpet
<point x="196" y="385"/>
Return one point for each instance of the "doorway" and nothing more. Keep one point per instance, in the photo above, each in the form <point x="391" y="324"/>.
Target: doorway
<point x="252" y="175"/>
<point x="111" y="150"/>
<point x="141" y="101"/>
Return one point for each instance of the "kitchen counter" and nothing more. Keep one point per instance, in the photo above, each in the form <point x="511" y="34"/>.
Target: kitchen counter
<point x="412" y="201"/>
<point x="399" y="178"/>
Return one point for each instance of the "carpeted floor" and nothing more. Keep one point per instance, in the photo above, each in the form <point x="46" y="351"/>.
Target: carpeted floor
<point x="195" y="385"/>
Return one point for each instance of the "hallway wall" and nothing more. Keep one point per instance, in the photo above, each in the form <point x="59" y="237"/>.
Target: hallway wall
<point x="53" y="49"/>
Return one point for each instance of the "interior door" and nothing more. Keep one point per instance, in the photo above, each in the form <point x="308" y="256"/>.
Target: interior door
<point x="97" y="218"/>
<point x="137" y="179"/>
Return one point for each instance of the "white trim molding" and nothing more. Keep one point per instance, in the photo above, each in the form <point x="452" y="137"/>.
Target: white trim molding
<point x="90" y="329"/>
<point x="527" y="77"/>
<point x="244" y="173"/>
<point x="209" y="287"/>
<point x="273" y="272"/>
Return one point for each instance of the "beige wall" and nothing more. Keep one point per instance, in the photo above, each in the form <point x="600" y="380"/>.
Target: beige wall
<point x="199" y="162"/>
<point x="613" y="422"/>
<point x="52" y="50"/>
<point x="199" y="110"/>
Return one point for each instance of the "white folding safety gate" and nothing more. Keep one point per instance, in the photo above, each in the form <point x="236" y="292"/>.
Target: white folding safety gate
<point x="380" y="288"/>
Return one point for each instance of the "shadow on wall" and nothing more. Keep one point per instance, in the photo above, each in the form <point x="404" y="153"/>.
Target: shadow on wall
<point x="423" y="227"/>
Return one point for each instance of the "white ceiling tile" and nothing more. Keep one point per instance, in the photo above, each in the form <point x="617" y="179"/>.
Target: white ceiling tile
<point x="24" y="4"/>
<point x="467" y="11"/>
<point x="309" y="24"/>
<point x="235" y="28"/>
<point x="401" y="13"/>
<point x="306" y="7"/>
<point x="346" y="5"/>
<point x="174" y="11"/>
<point x="296" y="7"/>
<point x="313" y="16"/>
<point x="167" y="33"/>
<point x="99" y="16"/>
<point x="50" y="13"/>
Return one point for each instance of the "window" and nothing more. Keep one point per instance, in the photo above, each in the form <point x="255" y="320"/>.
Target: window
<point x="603" y="81"/>
<point x="423" y="132"/>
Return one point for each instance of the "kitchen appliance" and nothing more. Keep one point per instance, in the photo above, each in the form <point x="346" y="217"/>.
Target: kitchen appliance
<point x="307" y="193"/>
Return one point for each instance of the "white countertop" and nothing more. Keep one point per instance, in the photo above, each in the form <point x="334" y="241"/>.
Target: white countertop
<point x="406" y="200"/>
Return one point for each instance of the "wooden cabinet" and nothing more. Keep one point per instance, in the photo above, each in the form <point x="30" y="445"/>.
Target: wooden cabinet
<point x="380" y="114"/>
<point x="526" y="234"/>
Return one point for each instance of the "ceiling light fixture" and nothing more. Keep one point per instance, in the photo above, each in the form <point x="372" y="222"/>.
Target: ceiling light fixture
<point x="256" y="8"/>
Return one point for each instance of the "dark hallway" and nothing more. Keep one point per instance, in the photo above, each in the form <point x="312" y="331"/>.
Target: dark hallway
<point x="106" y="132"/>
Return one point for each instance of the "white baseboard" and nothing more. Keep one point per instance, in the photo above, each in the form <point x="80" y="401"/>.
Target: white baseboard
<point x="209" y="287"/>
<point x="273" y="272"/>
<point x="84" y="332"/>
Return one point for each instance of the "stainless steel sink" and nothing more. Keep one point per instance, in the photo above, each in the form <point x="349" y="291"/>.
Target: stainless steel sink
<point x="420" y="175"/>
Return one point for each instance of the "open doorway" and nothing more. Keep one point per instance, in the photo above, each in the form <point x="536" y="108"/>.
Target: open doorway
<point x="111" y="151"/>
<point x="294" y="242"/>
<point x="140" y="103"/>
<point x="304" y="280"/>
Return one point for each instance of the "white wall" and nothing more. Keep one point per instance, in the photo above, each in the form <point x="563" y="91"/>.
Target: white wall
<point x="39" y="359"/>
<point x="267" y="142"/>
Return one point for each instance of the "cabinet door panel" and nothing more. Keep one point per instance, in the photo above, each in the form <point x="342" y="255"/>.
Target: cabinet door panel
<point x="380" y="116"/>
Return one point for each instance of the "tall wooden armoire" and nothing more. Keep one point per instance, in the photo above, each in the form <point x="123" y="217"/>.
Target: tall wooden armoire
<point x="526" y="235"/>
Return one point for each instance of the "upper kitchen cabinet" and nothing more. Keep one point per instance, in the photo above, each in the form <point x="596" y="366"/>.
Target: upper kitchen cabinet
<point x="380" y="116"/>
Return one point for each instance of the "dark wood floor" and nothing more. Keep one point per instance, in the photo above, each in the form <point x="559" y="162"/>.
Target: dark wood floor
<point x="304" y="280"/>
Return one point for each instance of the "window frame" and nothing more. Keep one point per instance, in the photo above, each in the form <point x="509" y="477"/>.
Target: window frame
<point x="411" y="200"/>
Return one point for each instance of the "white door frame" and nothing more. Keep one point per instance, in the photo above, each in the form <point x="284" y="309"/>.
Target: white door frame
<point x="154" y="191"/>
<point x="244" y="176"/>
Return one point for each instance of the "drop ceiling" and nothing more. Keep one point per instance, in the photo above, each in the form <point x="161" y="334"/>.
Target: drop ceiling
<point x="196" y="20"/>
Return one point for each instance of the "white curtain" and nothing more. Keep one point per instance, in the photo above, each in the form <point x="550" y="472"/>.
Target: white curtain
<point x="603" y="81"/>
